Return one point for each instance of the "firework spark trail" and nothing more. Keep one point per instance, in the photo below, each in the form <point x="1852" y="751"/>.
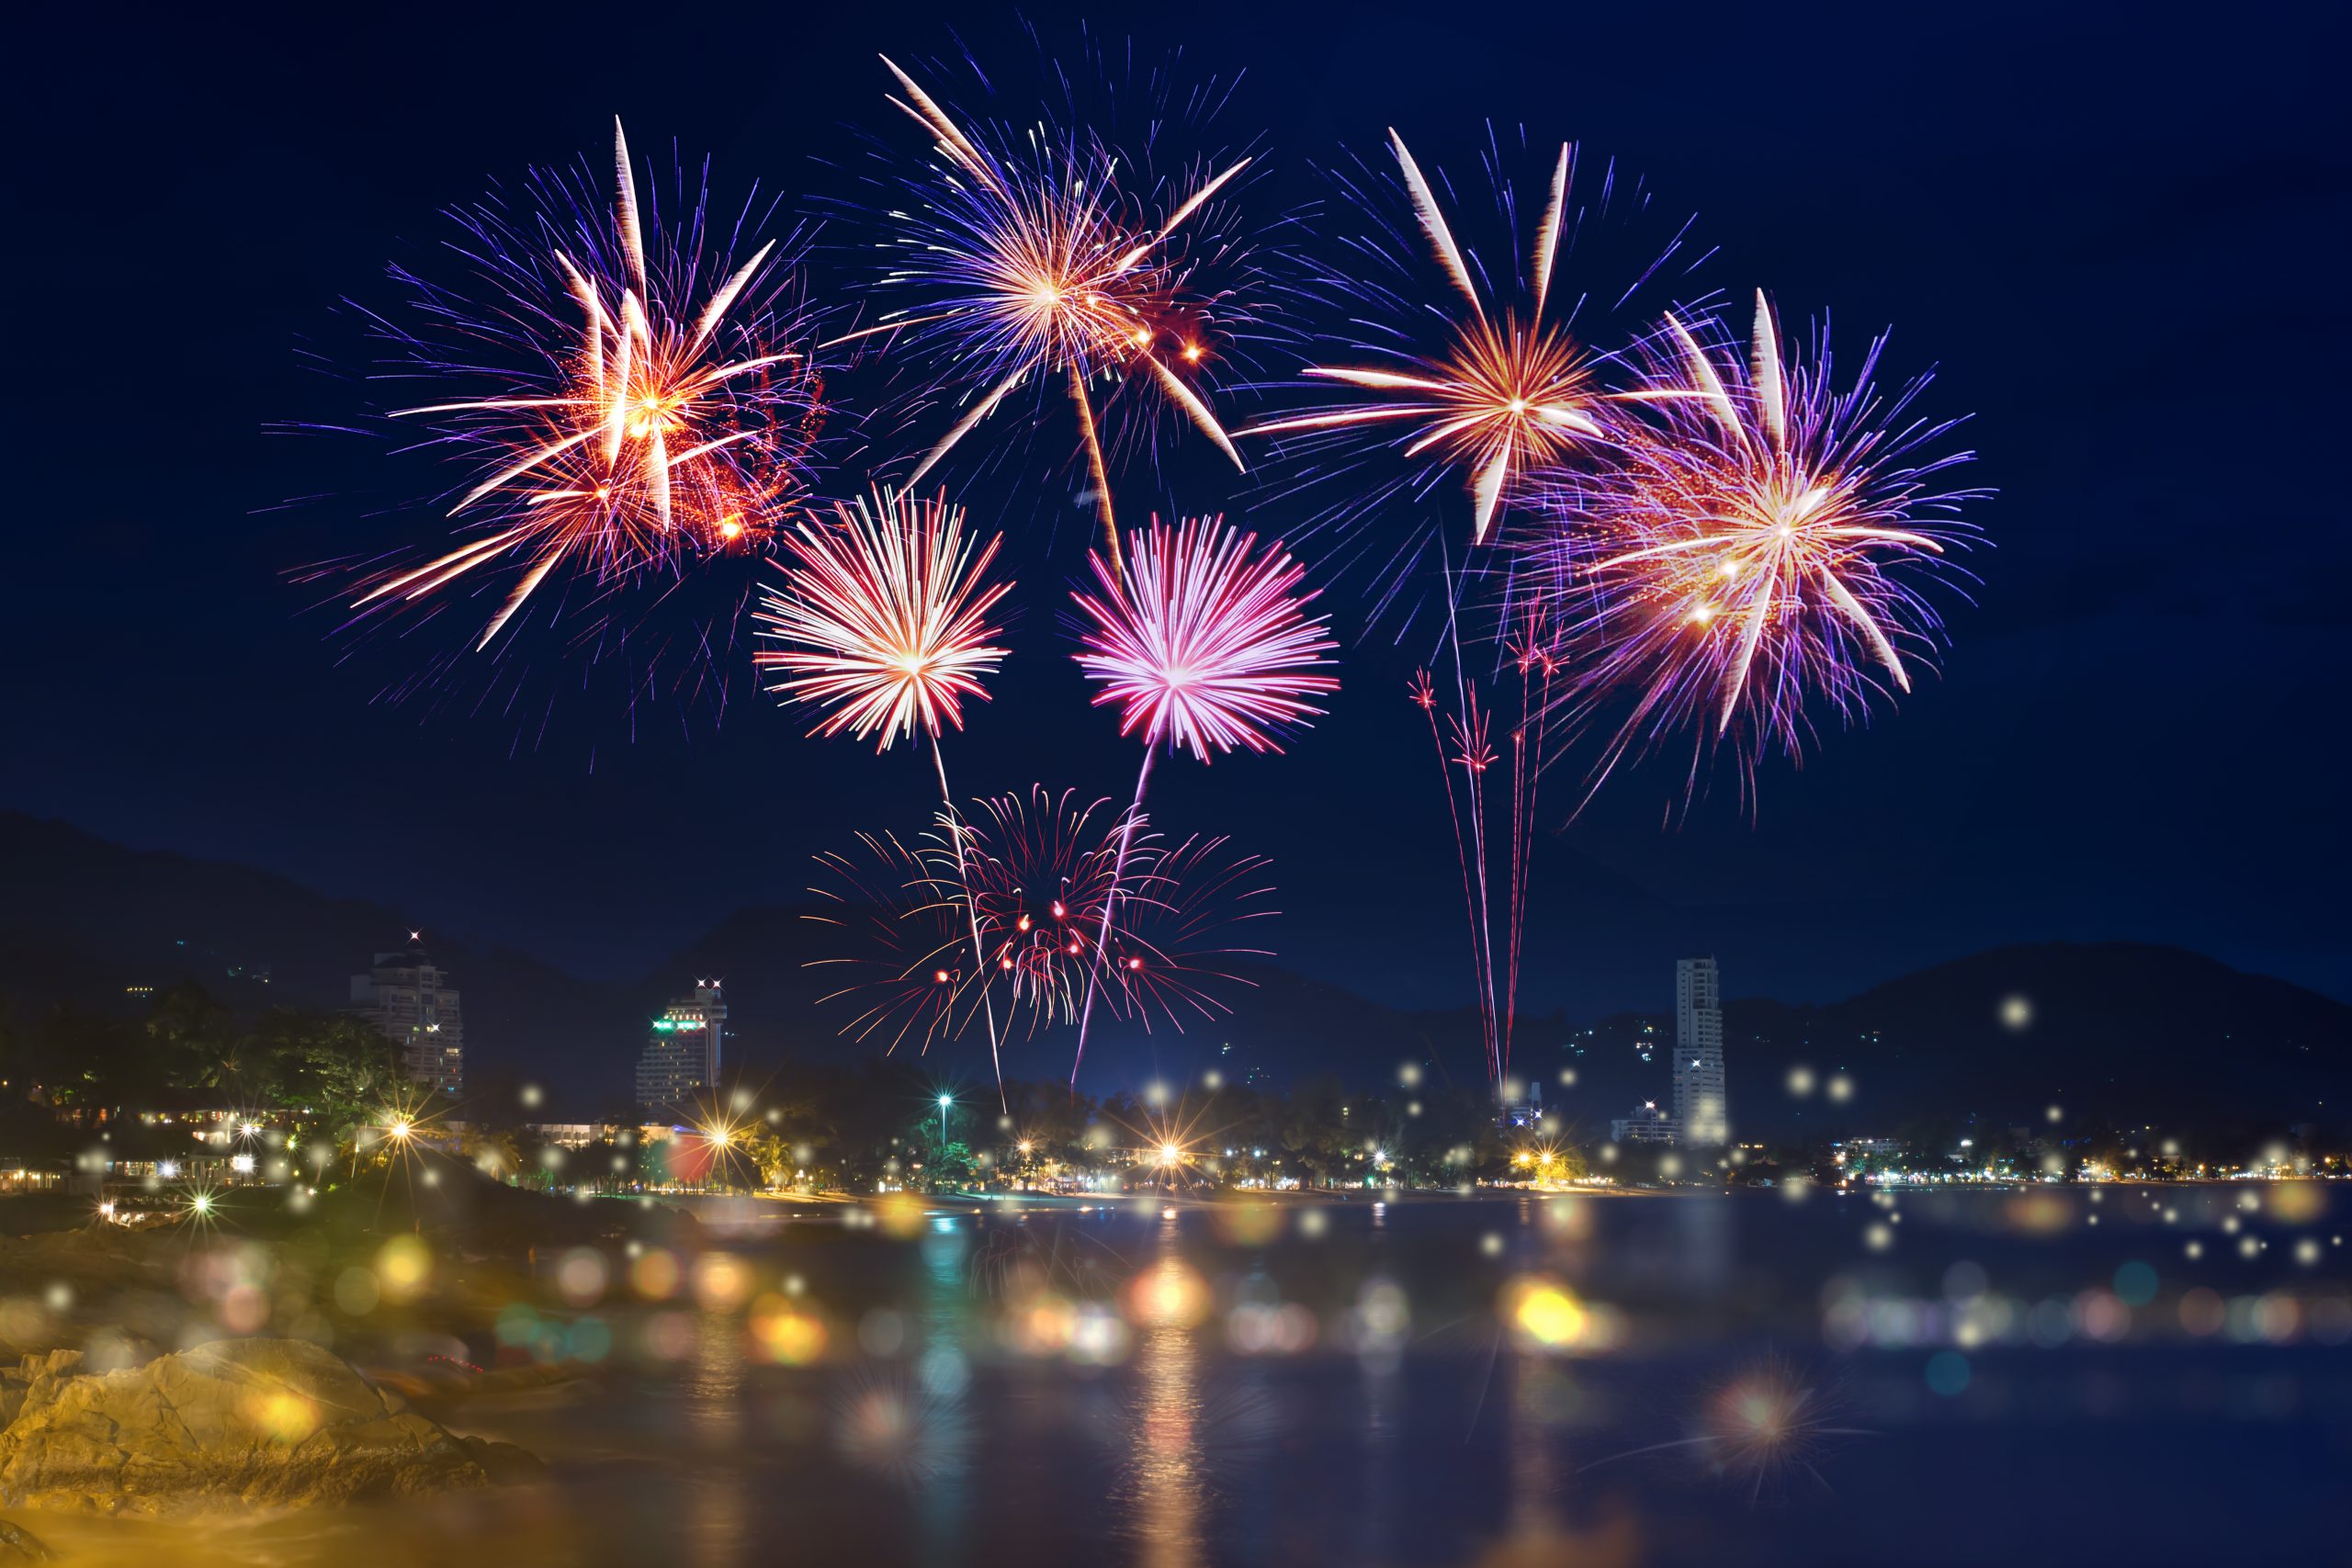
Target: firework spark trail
<point x="1039" y="869"/>
<point x="1202" y="645"/>
<point x="1118" y="869"/>
<point x="1474" y="757"/>
<point x="887" y="612"/>
<point x="1424" y="696"/>
<point x="1530" y="654"/>
<point x="1759" y="546"/>
<point x="1470" y="724"/>
<point x="1024" y="256"/>
<point x="959" y="835"/>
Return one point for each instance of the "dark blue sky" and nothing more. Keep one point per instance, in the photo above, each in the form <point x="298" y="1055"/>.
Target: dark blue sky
<point x="2122" y="243"/>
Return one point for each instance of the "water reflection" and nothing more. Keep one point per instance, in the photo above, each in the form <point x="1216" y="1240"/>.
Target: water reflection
<point x="1003" y="1394"/>
<point x="1168" y="1489"/>
<point x="715" y="1526"/>
<point x="943" y="1375"/>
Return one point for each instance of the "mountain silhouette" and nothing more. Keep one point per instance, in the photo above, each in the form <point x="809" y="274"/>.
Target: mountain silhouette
<point x="2118" y="1032"/>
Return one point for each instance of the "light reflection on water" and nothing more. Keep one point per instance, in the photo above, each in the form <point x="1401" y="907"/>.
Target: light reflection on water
<point x="1412" y="1428"/>
<point x="1167" y="1457"/>
<point x="943" y="1378"/>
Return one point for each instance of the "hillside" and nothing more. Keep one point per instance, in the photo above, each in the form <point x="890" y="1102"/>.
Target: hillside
<point x="2119" y="1030"/>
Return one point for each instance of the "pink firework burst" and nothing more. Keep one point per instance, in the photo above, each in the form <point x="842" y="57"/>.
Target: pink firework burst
<point x="887" y="613"/>
<point x="1204" y="640"/>
<point x="1762" y="552"/>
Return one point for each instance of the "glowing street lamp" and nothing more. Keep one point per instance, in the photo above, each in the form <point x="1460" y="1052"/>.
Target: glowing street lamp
<point x="944" y="1102"/>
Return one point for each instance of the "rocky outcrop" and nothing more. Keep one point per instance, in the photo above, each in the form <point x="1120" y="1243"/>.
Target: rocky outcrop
<point x="18" y="1544"/>
<point x="33" y="1379"/>
<point x="271" y="1423"/>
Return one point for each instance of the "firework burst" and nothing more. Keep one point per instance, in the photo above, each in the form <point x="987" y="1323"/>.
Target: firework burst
<point x="1479" y="388"/>
<point x="1758" y="549"/>
<point x="886" y="611"/>
<point x="1041" y="870"/>
<point x="1027" y="258"/>
<point x="625" y="400"/>
<point x="1203" y="641"/>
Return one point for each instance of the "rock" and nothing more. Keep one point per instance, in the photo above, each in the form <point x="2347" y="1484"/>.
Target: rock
<point x="18" y="1544"/>
<point x="32" y="1380"/>
<point x="272" y="1423"/>
<point x="443" y="1386"/>
<point x="505" y="1463"/>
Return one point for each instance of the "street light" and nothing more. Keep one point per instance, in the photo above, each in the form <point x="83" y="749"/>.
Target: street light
<point x="944" y="1102"/>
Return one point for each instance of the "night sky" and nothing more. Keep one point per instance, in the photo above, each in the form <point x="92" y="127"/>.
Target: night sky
<point x="2122" y="242"/>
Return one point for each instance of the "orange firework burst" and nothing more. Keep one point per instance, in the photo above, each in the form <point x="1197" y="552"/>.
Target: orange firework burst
<point x="888" y="611"/>
<point x="1504" y="396"/>
<point x="646" y="431"/>
<point x="1042" y="266"/>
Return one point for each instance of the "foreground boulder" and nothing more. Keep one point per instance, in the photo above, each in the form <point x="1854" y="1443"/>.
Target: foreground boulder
<point x="18" y="1544"/>
<point x="272" y="1423"/>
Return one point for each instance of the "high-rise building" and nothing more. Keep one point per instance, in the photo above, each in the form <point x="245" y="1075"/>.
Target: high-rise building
<point x="1701" y="1106"/>
<point x="681" y="1051"/>
<point x="1648" y="1124"/>
<point x="413" y="1002"/>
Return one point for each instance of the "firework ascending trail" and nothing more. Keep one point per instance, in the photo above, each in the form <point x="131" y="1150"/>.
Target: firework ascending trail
<point x="1200" y="646"/>
<point x="1467" y="742"/>
<point x="887" y="613"/>
<point x="1759" y="548"/>
<point x="1041" y="869"/>
<point x="626" y="400"/>
<point x="1026" y="261"/>
<point x="1510" y="381"/>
